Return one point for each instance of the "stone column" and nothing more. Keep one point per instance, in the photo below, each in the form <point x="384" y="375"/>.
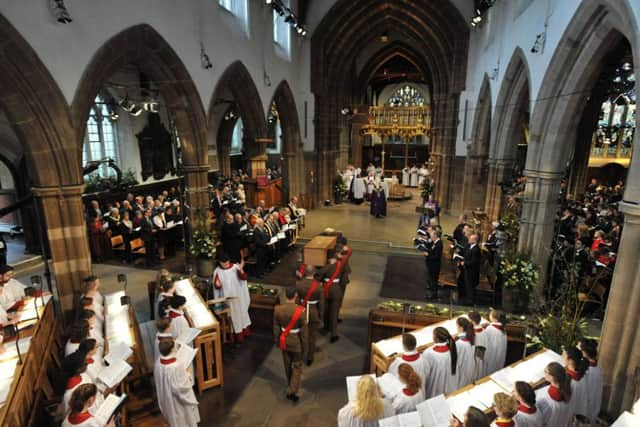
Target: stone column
<point x="499" y="171"/>
<point x="539" y="206"/>
<point x="474" y="183"/>
<point x="63" y="214"/>
<point x="196" y="182"/>
<point x="620" y="341"/>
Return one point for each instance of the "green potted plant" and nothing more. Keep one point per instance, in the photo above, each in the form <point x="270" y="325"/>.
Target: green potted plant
<point x="519" y="276"/>
<point x="339" y="189"/>
<point x="204" y="250"/>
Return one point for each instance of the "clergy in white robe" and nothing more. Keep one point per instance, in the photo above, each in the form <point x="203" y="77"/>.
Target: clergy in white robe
<point x="412" y="393"/>
<point x="358" y="189"/>
<point x="163" y="327"/>
<point x="466" y="352"/>
<point x="423" y="173"/>
<point x="413" y="180"/>
<point x="496" y="343"/>
<point x="555" y="401"/>
<point x="593" y="377"/>
<point x="176" y="398"/>
<point x="441" y="359"/>
<point x="528" y="414"/>
<point x="405" y="177"/>
<point x="230" y="281"/>
<point x="168" y="290"/>
<point x="367" y="408"/>
<point x="370" y="183"/>
<point x="175" y="312"/>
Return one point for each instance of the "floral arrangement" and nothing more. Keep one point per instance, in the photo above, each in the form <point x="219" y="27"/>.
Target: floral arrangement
<point x="202" y="245"/>
<point x="262" y="290"/>
<point x="95" y="183"/>
<point x="518" y="272"/>
<point x="339" y="188"/>
<point x="427" y="188"/>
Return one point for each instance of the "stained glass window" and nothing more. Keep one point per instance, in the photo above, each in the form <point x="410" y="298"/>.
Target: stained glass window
<point x="100" y="139"/>
<point x="406" y="96"/>
<point x="236" y="138"/>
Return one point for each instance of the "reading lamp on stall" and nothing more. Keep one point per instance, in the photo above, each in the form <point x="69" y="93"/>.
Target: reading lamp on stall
<point x="36" y="282"/>
<point x="406" y="307"/>
<point x="122" y="280"/>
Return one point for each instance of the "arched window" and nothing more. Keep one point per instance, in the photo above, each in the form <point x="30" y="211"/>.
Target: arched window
<point x="406" y="96"/>
<point x="236" y="138"/>
<point x="282" y="32"/>
<point x="100" y="139"/>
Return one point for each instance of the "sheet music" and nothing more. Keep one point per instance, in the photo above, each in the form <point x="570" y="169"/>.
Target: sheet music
<point x="108" y="407"/>
<point x="293" y="226"/>
<point x="188" y="335"/>
<point x="390" y="385"/>
<point x="352" y="385"/>
<point x="410" y="419"/>
<point x="281" y="235"/>
<point x="8" y="369"/>
<point x="137" y="229"/>
<point x="4" y="390"/>
<point x="185" y="355"/>
<point x="10" y="350"/>
<point x="459" y="404"/>
<point x="244" y="227"/>
<point x="273" y="240"/>
<point x="503" y="378"/>
<point x="118" y="351"/>
<point x="389" y="346"/>
<point x="113" y="374"/>
<point x="434" y="412"/>
<point x="627" y="419"/>
<point x="484" y="392"/>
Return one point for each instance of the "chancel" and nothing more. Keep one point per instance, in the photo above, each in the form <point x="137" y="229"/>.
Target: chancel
<point x="358" y="213"/>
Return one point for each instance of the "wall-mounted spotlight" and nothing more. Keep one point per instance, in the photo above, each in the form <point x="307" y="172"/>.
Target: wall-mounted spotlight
<point x="125" y="104"/>
<point x="60" y="11"/>
<point x="346" y="111"/>
<point x="150" y="106"/>
<point x="290" y="18"/>
<point x="538" y="45"/>
<point x="494" y="73"/>
<point x="230" y="115"/>
<point x="204" y="59"/>
<point x="136" y="110"/>
<point x="266" y="78"/>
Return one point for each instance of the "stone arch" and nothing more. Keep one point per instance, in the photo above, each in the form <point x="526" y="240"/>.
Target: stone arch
<point x="237" y="88"/>
<point x="512" y="104"/>
<point x="144" y="47"/>
<point x="572" y="72"/>
<point x="291" y="140"/>
<point x="474" y="187"/>
<point x="437" y="32"/>
<point x="39" y="115"/>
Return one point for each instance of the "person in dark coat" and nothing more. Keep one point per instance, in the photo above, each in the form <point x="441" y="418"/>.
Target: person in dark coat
<point x="262" y="253"/>
<point x="434" y="262"/>
<point x="230" y="236"/>
<point x="472" y="259"/>
<point x="378" y="201"/>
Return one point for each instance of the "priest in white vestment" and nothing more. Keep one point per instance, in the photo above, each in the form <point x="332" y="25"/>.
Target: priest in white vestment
<point x="405" y="176"/>
<point x="423" y="173"/>
<point x="174" y="386"/>
<point x="230" y="281"/>
<point x="413" y="180"/>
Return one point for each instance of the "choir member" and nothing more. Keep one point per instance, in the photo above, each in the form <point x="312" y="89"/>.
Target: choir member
<point x="94" y="330"/>
<point x="528" y="414"/>
<point x="230" y="280"/>
<point x="480" y="345"/>
<point x="413" y="176"/>
<point x="576" y="367"/>
<point x="496" y="342"/>
<point x="175" y="311"/>
<point x="593" y="377"/>
<point x="441" y="360"/>
<point x="368" y="408"/>
<point x="474" y="417"/>
<point x="163" y="326"/>
<point x="91" y="289"/>
<point x="82" y="399"/>
<point x="7" y="318"/>
<point x="410" y="356"/>
<point x="89" y="350"/>
<point x="412" y="393"/>
<point x="290" y="332"/>
<point x="506" y="408"/>
<point x="167" y="290"/>
<point x="86" y="303"/>
<point x="76" y="366"/>
<point x="78" y="331"/>
<point x="13" y="296"/>
<point x="312" y="299"/>
<point x="176" y="398"/>
<point x="555" y="403"/>
<point x="465" y="347"/>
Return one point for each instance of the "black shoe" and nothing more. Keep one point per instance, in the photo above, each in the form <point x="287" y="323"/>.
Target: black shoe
<point x="339" y="320"/>
<point x="334" y="339"/>
<point x="293" y="398"/>
<point x="309" y="362"/>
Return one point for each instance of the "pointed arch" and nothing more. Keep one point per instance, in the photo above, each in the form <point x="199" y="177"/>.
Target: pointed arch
<point x="474" y="188"/>
<point x="513" y="101"/>
<point x="36" y="110"/>
<point x="144" y="47"/>
<point x="236" y="85"/>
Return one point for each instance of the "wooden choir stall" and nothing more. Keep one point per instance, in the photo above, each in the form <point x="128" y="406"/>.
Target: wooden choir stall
<point x="209" y="342"/>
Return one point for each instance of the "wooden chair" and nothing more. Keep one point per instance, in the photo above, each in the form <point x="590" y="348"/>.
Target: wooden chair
<point x="137" y="249"/>
<point x="118" y="246"/>
<point x="594" y="298"/>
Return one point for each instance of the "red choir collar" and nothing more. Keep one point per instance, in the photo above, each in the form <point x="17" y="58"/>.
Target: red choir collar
<point x="173" y="314"/>
<point x="408" y="392"/>
<point x="526" y="409"/>
<point x="89" y="360"/>
<point x="74" y="381"/>
<point x="497" y="325"/>
<point x="478" y="330"/>
<point x="227" y="268"/>
<point x="505" y="423"/>
<point x="441" y="348"/>
<point x="554" y="393"/>
<point x="593" y="363"/>
<point x="410" y="357"/>
<point x="463" y="337"/>
<point x="74" y="341"/>
<point x="79" y="418"/>
<point x="574" y="375"/>
<point x="167" y="361"/>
